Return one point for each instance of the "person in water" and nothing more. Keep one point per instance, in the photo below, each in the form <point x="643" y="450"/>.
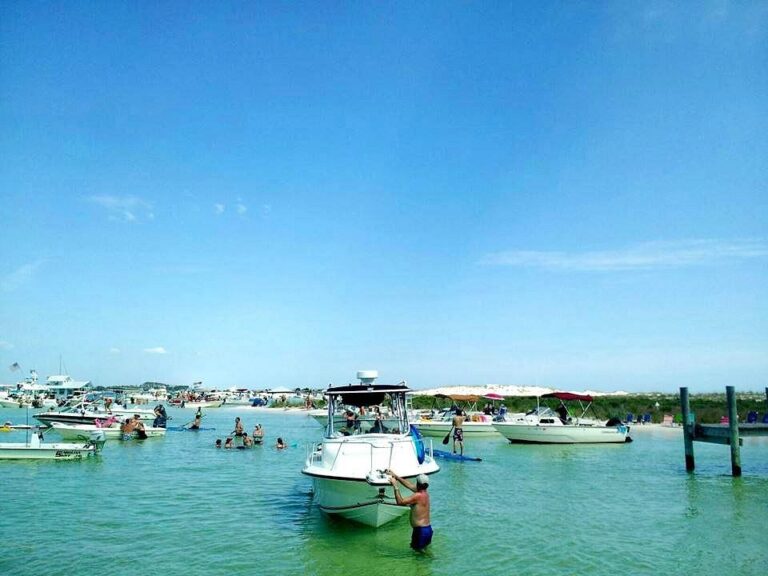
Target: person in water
<point x="247" y="440"/>
<point x="228" y="442"/>
<point x="238" y="431"/>
<point x="127" y="427"/>
<point x="421" y="535"/>
<point x="280" y="444"/>
<point x="138" y="426"/>
<point x="458" y="430"/>
<point x="218" y="442"/>
<point x="161" y="417"/>
<point x="258" y="434"/>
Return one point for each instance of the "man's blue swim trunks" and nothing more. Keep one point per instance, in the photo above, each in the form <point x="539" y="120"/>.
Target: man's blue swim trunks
<point x="421" y="537"/>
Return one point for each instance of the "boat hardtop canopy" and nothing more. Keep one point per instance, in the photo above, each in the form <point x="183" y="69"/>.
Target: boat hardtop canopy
<point x="365" y="394"/>
<point x="568" y="396"/>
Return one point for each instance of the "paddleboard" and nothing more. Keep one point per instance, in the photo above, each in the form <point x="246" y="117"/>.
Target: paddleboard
<point x="183" y="429"/>
<point x="452" y="456"/>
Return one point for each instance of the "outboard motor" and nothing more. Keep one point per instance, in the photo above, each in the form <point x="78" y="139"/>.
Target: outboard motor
<point x="97" y="438"/>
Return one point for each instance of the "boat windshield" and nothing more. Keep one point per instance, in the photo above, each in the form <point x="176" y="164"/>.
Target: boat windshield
<point x="367" y="409"/>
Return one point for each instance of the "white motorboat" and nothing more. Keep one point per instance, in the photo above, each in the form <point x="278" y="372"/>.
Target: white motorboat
<point x="543" y="425"/>
<point x="81" y="411"/>
<point x="195" y="402"/>
<point x="440" y="423"/>
<point x="34" y="448"/>
<point x="112" y="431"/>
<point x="347" y="467"/>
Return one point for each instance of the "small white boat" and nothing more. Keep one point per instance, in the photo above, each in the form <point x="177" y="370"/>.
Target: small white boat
<point x="113" y="431"/>
<point x="195" y="404"/>
<point x="542" y="425"/>
<point x="477" y="424"/>
<point x="347" y="467"/>
<point x="35" y="449"/>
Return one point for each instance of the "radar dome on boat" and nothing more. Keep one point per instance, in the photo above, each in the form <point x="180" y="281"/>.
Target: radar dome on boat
<point x="367" y="376"/>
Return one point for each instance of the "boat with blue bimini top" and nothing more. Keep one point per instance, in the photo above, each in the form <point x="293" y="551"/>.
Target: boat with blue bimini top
<point x="543" y="425"/>
<point x="348" y="467"/>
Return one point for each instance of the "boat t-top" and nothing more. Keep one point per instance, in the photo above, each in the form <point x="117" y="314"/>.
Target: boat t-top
<point x="348" y="466"/>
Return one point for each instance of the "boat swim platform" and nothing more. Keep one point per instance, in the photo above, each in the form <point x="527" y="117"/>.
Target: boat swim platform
<point x="729" y="434"/>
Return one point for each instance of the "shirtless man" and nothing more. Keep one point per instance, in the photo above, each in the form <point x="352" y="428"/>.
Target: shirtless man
<point x="419" y="503"/>
<point x="238" y="427"/>
<point x="258" y="434"/>
<point x="458" y="430"/>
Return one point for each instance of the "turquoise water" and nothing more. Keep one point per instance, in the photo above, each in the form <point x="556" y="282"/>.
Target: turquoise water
<point x="176" y="505"/>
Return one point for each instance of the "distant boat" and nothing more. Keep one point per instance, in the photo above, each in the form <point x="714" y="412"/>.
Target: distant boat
<point x="542" y="425"/>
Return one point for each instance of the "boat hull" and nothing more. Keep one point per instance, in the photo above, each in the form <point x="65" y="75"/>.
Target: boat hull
<point x="195" y="405"/>
<point x="349" y="479"/>
<point x="543" y="434"/>
<point x="438" y="429"/>
<point x="63" y="451"/>
<point x="84" y="431"/>
<point x="357" y="501"/>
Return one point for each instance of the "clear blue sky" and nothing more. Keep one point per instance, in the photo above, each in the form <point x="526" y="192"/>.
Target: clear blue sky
<point x="261" y="194"/>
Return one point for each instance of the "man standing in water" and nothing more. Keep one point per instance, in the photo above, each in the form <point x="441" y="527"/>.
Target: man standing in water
<point x="458" y="430"/>
<point x="419" y="503"/>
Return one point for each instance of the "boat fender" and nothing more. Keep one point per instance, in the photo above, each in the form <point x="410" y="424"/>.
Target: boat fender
<point x="418" y="442"/>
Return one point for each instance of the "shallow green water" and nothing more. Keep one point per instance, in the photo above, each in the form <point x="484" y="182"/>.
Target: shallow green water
<point x="176" y="505"/>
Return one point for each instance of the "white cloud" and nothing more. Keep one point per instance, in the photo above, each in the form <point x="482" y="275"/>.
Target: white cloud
<point x="156" y="350"/>
<point x="19" y="277"/>
<point x="114" y="350"/>
<point x="241" y="209"/>
<point x="4" y="345"/>
<point x="124" y="208"/>
<point x="645" y="256"/>
<point x="218" y="208"/>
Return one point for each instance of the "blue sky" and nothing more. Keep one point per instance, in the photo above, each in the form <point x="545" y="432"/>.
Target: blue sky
<point x="261" y="194"/>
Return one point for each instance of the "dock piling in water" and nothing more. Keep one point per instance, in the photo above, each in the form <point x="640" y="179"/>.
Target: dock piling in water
<point x="718" y="433"/>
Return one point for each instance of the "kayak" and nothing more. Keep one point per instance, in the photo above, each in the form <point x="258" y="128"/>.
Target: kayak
<point x="452" y="456"/>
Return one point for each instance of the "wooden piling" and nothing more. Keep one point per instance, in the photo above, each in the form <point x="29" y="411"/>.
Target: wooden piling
<point x="730" y="434"/>
<point x="688" y="425"/>
<point x="733" y="428"/>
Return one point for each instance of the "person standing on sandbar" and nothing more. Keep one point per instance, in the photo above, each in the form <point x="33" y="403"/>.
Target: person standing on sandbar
<point x="419" y="503"/>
